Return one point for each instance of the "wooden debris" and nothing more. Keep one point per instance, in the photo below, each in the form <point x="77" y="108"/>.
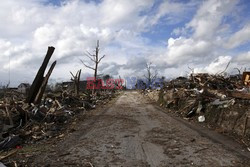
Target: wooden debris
<point x="239" y="95"/>
<point x="7" y="155"/>
<point x="245" y="125"/>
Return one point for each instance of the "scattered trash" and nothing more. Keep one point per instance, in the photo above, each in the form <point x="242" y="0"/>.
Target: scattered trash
<point x="201" y="118"/>
<point x="10" y="142"/>
<point x="219" y="100"/>
<point x="223" y="104"/>
<point x="190" y="113"/>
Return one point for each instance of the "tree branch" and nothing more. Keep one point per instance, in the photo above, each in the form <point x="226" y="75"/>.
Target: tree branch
<point x="155" y="76"/>
<point x="238" y="70"/>
<point x="87" y="65"/>
<point x="192" y="69"/>
<point x="101" y="58"/>
<point x="225" y="69"/>
<point x="89" y="56"/>
<point x="79" y="74"/>
<point x="72" y="74"/>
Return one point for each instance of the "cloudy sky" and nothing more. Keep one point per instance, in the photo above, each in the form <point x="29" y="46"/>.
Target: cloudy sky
<point x="172" y="34"/>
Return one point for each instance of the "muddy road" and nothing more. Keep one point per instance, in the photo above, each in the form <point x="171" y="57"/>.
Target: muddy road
<point x="135" y="132"/>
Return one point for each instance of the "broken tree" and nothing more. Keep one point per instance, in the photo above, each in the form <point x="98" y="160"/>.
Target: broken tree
<point x="76" y="80"/>
<point x="39" y="84"/>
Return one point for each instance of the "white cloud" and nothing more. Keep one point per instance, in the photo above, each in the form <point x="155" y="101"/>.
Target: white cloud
<point x="201" y="47"/>
<point x="185" y="50"/>
<point x="173" y="11"/>
<point x="216" y="66"/>
<point x="122" y="13"/>
<point x="240" y="37"/>
<point x="208" y="18"/>
<point x="72" y="28"/>
<point x="243" y="58"/>
<point x="28" y="27"/>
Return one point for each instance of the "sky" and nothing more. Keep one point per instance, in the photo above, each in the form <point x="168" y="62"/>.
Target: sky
<point x="174" y="35"/>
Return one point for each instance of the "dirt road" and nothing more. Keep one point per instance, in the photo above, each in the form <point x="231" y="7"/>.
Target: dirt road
<point x="134" y="132"/>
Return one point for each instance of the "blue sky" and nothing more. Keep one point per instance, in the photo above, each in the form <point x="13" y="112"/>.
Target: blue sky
<point x="172" y="34"/>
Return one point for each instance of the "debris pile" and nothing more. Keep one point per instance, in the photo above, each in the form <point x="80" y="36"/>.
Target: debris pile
<point x="217" y="100"/>
<point x="42" y="115"/>
<point x="23" y="123"/>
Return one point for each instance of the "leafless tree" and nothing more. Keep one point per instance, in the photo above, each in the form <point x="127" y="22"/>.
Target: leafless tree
<point x="94" y="58"/>
<point x="150" y="75"/>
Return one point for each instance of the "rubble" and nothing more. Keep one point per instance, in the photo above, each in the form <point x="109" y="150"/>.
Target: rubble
<point x="220" y="102"/>
<point x="42" y="115"/>
<point x="23" y="123"/>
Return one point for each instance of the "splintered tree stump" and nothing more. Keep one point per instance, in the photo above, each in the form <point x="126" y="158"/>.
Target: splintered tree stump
<point x="44" y="84"/>
<point x="37" y="83"/>
<point x="76" y="80"/>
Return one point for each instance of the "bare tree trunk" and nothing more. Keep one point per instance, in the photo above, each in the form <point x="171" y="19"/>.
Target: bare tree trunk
<point x="96" y="65"/>
<point x="39" y="77"/>
<point x="94" y="58"/>
<point x="78" y="83"/>
<point x="76" y="80"/>
<point x="44" y="84"/>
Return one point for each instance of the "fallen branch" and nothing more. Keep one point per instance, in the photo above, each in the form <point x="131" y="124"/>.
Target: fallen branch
<point x="245" y="125"/>
<point x="201" y="150"/>
<point x="7" y="155"/>
<point x="90" y="164"/>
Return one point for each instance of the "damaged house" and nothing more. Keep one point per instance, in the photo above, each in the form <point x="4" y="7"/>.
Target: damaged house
<point x="23" y="88"/>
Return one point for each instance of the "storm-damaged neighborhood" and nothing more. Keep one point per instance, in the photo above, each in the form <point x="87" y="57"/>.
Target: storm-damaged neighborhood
<point x="124" y="83"/>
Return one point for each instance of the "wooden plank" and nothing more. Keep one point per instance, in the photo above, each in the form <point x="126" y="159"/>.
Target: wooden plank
<point x="239" y="95"/>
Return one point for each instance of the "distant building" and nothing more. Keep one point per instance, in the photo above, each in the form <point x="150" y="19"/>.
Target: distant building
<point x="12" y="88"/>
<point x="70" y="85"/>
<point x="23" y="88"/>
